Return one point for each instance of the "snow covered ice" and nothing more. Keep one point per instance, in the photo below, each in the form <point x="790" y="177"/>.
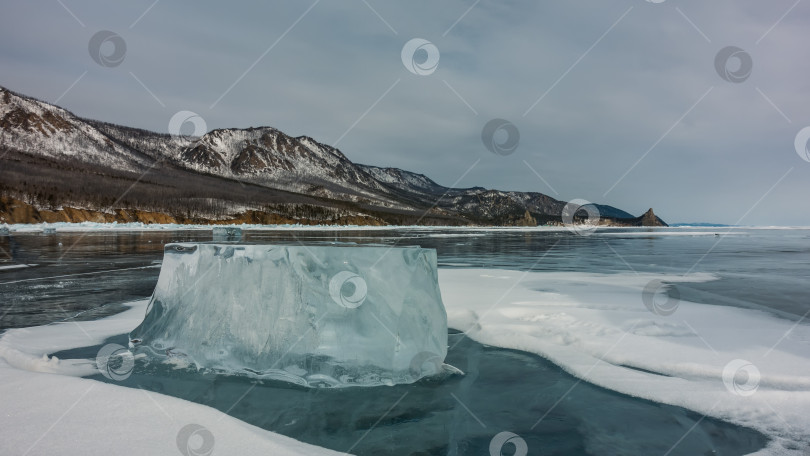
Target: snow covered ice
<point x="318" y="315"/>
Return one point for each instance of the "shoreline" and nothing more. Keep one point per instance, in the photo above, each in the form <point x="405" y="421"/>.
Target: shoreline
<point x="68" y="227"/>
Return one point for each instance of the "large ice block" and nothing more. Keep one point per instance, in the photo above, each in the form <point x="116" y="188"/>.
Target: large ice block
<point x="316" y="315"/>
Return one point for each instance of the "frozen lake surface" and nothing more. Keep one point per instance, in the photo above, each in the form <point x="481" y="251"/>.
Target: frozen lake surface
<point x="578" y="301"/>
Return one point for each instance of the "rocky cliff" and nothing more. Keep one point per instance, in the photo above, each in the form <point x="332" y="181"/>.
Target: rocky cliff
<point x="58" y="165"/>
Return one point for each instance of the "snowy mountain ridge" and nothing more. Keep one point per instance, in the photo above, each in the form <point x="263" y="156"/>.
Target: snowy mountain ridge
<point x="56" y="133"/>
<point x="34" y="134"/>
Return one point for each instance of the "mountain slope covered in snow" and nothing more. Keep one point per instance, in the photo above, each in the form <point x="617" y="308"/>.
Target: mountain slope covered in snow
<point x="52" y="159"/>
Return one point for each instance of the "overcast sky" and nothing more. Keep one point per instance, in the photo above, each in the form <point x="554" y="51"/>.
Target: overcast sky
<point x="617" y="102"/>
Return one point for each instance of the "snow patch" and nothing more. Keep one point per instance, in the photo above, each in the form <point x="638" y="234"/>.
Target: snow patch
<point x="596" y="327"/>
<point x="100" y="418"/>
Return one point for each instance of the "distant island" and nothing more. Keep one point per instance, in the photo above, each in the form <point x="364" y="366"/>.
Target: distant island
<point x="703" y="225"/>
<point x="58" y="167"/>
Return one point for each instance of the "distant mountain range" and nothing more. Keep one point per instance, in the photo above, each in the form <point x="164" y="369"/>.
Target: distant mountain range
<point x="702" y="225"/>
<point x="55" y="166"/>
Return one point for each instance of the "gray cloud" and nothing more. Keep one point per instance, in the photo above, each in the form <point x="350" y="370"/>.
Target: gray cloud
<point x="602" y="111"/>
